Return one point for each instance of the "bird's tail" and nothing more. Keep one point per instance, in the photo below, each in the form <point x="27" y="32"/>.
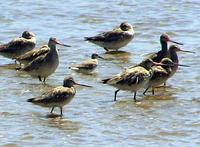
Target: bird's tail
<point x="104" y="81"/>
<point x="30" y="100"/>
<point x="73" y="68"/>
<point x="88" y="38"/>
<point x="18" y="68"/>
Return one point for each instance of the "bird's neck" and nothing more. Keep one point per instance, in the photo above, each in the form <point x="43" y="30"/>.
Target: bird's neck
<point x="52" y="48"/>
<point x="163" y="46"/>
<point x="173" y="56"/>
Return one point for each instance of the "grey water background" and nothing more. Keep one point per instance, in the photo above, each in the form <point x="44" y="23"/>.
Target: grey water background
<point x="170" y="118"/>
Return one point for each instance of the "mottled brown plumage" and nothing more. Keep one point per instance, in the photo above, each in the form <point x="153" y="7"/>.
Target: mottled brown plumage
<point x="161" y="73"/>
<point x="19" y="45"/>
<point x="57" y="97"/>
<point x="115" y="39"/>
<point x="46" y="64"/>
<point x="33" y="54"/>
<point x="133" y="78"/>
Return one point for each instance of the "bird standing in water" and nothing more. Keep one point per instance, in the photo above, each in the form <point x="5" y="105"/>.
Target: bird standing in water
<point x="132" y="79"/>
<point x="115" y="39"/>
<point x="87" y="66"/>
<point x="59" y="96"/>
<point x="19" y="45"/>
<point x="46" y="64"/>
<point x="161" y="74"/>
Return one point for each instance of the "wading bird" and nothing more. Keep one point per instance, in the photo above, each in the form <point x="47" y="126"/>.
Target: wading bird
<point x="59" y="96"/>
<point x="19" y="45"/>
<point x="115" y="39"/>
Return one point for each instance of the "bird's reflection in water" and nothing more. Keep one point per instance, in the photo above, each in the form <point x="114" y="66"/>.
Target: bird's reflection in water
<point x="63" y="124"/>
<point x="10" y="66"/>
<point x="162" y="93"/>
<point x="148" y="101"/>
<point x="55" y="121"/>
<point x="120" y="56"/>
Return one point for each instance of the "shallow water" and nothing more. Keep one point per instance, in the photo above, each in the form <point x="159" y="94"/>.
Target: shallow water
<point x="170" y="118"/>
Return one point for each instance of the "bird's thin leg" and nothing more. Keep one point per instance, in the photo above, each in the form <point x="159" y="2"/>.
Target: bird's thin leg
<point x="144" y="93"/>
<point x="115" y="98"/>
<point x="61" y="113"/>
<point x="153" y="91"/>
<point x="135" y="96"/>
<point x="52" y="110"/>
<point x="165" y="84"/>
<point x="44" y="80"/>
<point x="39" y="77"/>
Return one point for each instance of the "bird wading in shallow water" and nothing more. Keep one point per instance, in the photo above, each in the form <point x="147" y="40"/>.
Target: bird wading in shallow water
<point x="115" y="39"/>
<point x="161" y="74"/>
<point x="59" y="96"/>
<point x="87" y="66"/>
<point x="46" y="64"/>
<point x="132" y="79"/>
<point x="18" y="46"/>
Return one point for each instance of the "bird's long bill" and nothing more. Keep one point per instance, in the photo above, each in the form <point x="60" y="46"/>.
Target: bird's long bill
<point x="187" y="51"/>
<point x="176" y="42"/>
<point x="82" y="85"/>
<point x="62" y="44"/>
<point x="181" y="65"/>
<point x="157" y="64"/>
<point x="101" y="57"/>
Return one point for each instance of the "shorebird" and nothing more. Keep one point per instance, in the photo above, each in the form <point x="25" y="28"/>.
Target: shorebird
<point x="46" y="64"/>
<point x="132" y="79"/>
<point x="161" y="73"/>
<point x="59" y="96"/>
<point x="19" y="45"/>
<point x="164" y="39"/>
<point x="115" y="39"/>
<point x="87" y="66"/>
<point x="172" y="54"/>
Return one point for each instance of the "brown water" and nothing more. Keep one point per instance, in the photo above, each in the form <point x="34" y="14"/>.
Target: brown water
<point x="170" y="118"/>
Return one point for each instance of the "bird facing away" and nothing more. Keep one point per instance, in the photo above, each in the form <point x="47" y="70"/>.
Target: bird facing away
<point x="19" y="45"/>
<point x="59" y="96"/>
<point x="87" y="66"/>
<point x="132" y="79"/>
<point x="164" y="39"/>
<point x="161" y="74"/>
<point x="46" y="64"/>
<point x="33" y="54"/>
<point x="115" y="39"/>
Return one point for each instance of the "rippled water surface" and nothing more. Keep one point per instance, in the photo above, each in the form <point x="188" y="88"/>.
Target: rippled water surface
<point x="170" y="118"/>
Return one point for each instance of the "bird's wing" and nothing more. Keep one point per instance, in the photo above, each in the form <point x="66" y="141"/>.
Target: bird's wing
<point x="151" y="55"/>
<point x="129" y="76"/>
<point x="107" y="36"/>
<point x="135" y="76"/>
<point x="158" y="71"/>
<point x="12" y="45"/>
<point x="34" y="53"/>
<point x="35" y="64"/>
<point x="56" y="95"/>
